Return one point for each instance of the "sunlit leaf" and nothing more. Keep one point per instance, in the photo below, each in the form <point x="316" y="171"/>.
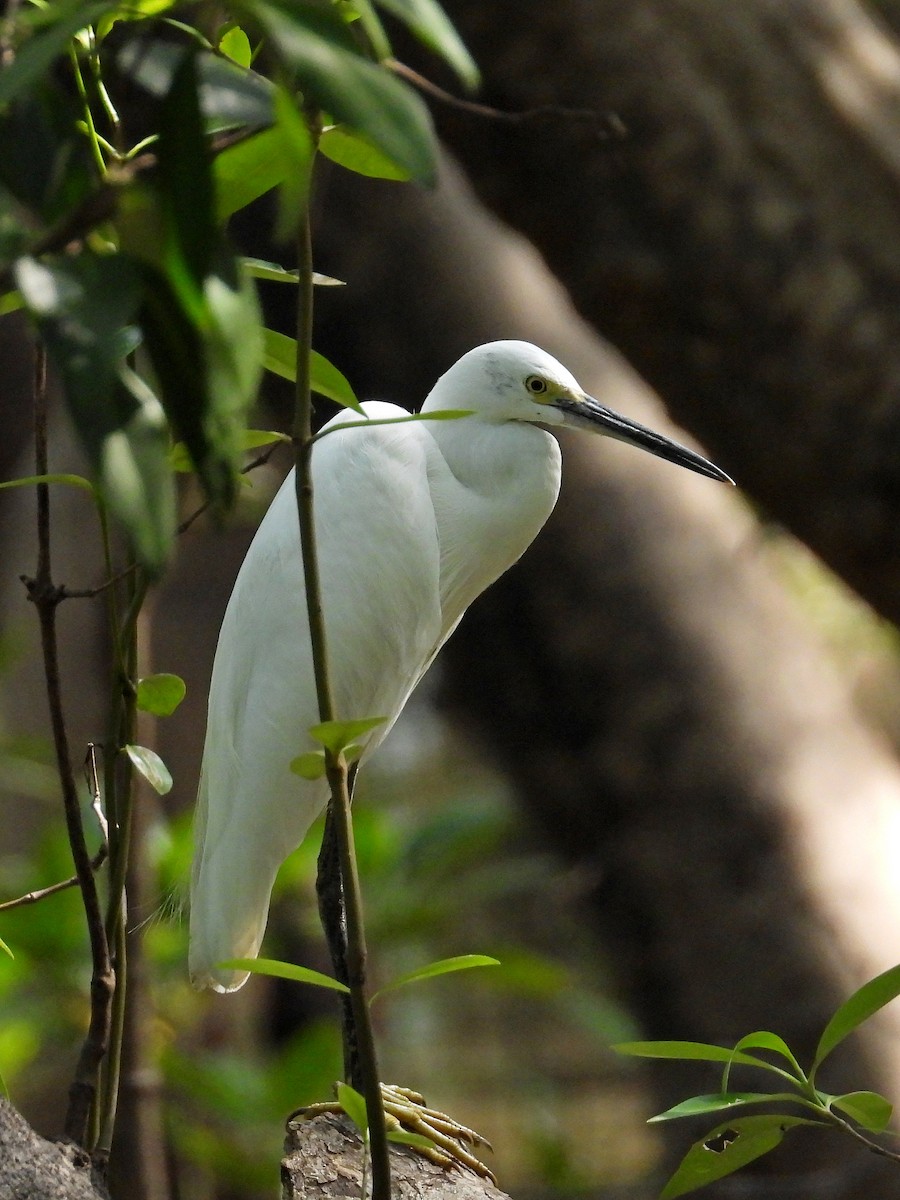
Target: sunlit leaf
<point x="863" y="1004"/>
<point x="403" y="1137"/>
<point x="336" y="735"/>
<point x="357" y="153"/>
<point x="354" y="1106"/>
<point x="280" y="357"/>
<point x="160" y="694"/>
<point x="152" y="767"/>
<point x="282" y="970"/>
<point x="6" y="949"/>
<point x="235" y="44"/>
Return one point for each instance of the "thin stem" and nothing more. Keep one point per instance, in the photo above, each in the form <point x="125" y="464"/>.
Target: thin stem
<point x="45" y="597"/>
<point x="874" y="1147"/>
<point x="63" y="885"/>
<point x="336" y="765"/>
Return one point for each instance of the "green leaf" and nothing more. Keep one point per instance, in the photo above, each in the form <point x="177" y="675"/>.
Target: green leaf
<point x="336" y="735"/>
<point x="434" y="29"/>
<point x="716" y="1102"/>
<point x="152" y="767"/>
<point x="309" y="766"/>
<point x="692" y="1052"/>
<point x="445" y="966"/>
<point x="278" y="274"/>
<point x="10" y="302"/>
<point x="440" y="414"/>
<point x="31" y="480"/>
<point x="358" y="153"/>
<point x="863" y="1004"/>
<point x="160" y="694"/>
<point x="280" y="357"/>
<point x="316" y="43"/>
<point x="283" y="970"/>
<point x="726" y="1149"/>
<point x="248" y="169"/>
<point x="764" y="1040"/>
<point x="235" y="44"/>
<point x="403" y="1138"/>
<point x="84" y="307"/>
<point x="6" y="949"/>
<point x="229" y="97"/>
<point x="868" y="1109"/>
<point x="354" y="1106"/>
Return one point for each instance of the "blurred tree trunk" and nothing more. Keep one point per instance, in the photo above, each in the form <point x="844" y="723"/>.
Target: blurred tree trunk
<point x="740" y="244"/>
<point x="666" y="718"/>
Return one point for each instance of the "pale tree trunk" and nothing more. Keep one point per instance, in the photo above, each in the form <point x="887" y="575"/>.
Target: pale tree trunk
<point x="667" y="719"/>
<point x="740" y="243"/>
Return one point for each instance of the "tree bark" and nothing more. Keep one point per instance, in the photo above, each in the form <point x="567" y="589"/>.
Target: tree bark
<point x="740" y="244"/>
<point x="31" y="1168"/>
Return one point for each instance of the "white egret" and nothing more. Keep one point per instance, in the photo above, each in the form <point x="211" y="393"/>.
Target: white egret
<point x="413" y="521"/>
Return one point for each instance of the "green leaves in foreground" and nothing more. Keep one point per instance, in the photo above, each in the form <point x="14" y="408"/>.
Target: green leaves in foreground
<point x="160" y="694"/>
<point x="740" y="1140"/>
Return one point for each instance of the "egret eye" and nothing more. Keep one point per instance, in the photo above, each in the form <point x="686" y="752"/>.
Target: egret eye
<point x="536" y="385"/>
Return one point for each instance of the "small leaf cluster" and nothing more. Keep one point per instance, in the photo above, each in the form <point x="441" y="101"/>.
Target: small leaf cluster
<point x="113" y="214"/>
<point x="739" y="1140"/>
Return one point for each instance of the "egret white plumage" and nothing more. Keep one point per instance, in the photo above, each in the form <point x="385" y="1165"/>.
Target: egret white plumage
<point x="413" y="521"/>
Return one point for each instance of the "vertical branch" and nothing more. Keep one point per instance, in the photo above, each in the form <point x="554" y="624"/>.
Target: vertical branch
<point x="46" y="597"/>
<point x="336" y="765"/>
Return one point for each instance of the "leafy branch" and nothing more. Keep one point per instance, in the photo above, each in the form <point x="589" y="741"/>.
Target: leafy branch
<point x="740" y="1140"/>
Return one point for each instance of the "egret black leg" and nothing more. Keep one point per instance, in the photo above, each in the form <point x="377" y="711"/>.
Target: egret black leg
<point x="332" y="913"/>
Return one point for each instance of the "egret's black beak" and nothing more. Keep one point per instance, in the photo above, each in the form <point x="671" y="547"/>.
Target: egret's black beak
<point x="585" y="412"/>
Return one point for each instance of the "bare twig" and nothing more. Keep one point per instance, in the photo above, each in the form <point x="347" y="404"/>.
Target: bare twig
<point x="609" y="125"/>
<point x="41" y="893"/>
<point x="45" y="597"/>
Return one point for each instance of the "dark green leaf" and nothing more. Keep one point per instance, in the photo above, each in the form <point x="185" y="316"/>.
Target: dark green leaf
<point x="84" y="306"/>
<point x="863" y="1004"/>
<point x="445" y="966"/>
<point x="160" y="694"/>
<point x="283" y="970"/>
<point x="152" y="767"/>
<point x="357" y="153"/>
<point x="868" y="1109"/>
<point x="315" y="42"/>
<point x="229" y="96"/>
<point x="726" y="1149"/>
<point x="336" y="735"/>
<point x="433" y="28"/>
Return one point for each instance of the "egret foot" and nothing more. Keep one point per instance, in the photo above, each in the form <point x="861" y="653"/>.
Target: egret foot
<point x="405" y="1110"/>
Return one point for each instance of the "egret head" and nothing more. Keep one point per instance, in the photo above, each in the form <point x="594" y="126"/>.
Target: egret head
<point x="515" y="381"/>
